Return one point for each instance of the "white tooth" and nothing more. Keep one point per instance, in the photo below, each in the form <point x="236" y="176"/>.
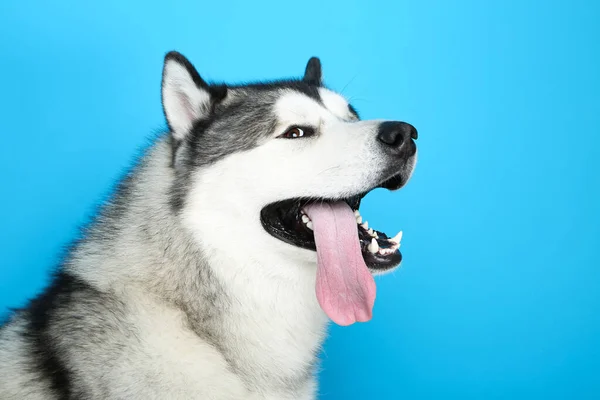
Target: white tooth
<point x="373" y="246"/>
<point x="305" y="219"/>
<point x="397" y="238"/>
<point x="309" y="225"/>
<point x="358" y="219"/>
<point x="356" y="213"/>
<point x="371" y="232"/>
<point x="365" y="225"/>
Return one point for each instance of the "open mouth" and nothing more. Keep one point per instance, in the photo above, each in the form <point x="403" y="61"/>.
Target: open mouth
<point x="288" y="221"/>
<point x="348" y="250"/>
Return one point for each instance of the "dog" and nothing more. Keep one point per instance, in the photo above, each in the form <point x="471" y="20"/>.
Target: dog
<point x="215" y="267"/>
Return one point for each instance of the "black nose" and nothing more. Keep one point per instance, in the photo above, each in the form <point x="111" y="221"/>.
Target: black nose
<point x="393" y="134"/>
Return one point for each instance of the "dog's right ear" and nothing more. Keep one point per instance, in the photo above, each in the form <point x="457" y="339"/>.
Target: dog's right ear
<point x="186" y="98"/>
<point x="312" y="73"/>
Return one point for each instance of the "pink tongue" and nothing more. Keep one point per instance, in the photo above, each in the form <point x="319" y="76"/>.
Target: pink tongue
<point x="345" y="287"/>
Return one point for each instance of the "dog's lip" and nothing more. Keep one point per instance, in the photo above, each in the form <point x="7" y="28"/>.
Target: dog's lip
<point x="394" y="182"/>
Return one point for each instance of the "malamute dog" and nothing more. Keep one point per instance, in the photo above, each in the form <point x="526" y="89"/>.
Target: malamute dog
<point x="214" y="268"/>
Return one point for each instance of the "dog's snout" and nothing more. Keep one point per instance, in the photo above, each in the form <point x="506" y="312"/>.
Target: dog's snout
<point x="394" y="135"/>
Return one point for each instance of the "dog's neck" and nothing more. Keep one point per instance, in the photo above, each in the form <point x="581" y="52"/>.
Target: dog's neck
<point x="272" y="316"/>
<point x="276" y="324"/>
<point x="256" y="306"/>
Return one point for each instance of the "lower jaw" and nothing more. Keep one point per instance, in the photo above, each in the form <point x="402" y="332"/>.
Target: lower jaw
<point x="378" y="265"/>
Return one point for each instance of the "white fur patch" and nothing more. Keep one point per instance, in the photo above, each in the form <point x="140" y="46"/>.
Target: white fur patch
<point x="294" y="108"/>
<point x="336" y="104"/>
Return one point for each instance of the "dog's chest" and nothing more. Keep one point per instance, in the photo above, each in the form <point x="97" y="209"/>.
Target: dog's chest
<point x="271" y="329"/>
<point x="257" y="356"/>
<point x="273" y="339"/>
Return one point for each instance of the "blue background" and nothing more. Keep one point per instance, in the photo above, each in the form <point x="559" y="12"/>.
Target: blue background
<point x="499" y="294"/>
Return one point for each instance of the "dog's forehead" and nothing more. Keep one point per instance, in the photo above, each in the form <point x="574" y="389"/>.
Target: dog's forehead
<point x="297" y="106"/>
<point x="335" y="103"/>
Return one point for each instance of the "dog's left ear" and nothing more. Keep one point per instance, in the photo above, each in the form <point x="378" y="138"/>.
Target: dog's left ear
<point x="313" y="74"/>
<point x="186" y="97"/>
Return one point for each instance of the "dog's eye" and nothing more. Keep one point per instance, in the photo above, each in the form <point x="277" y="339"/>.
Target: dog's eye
<point x="296" y="132"/>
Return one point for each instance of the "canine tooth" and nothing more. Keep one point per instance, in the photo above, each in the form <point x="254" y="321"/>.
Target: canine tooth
<point x="309" y="225"/>
<point x="373" y="246"/>
<point x="397" y="238"/>
<point x="365" y="225"/>
<point x="356" y="213"/>
<point x="358" y="219"/>
<point x="305" y="219"/>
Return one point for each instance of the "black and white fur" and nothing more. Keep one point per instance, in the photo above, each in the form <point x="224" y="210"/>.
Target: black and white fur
<point x="175" y="290"/>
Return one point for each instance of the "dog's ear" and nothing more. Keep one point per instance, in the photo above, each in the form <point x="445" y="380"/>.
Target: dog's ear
<point x="186" y="97"/>
<point x="312" y="74"/>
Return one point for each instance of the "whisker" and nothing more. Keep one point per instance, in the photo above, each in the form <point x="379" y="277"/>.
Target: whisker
<point x="347" y="84"/>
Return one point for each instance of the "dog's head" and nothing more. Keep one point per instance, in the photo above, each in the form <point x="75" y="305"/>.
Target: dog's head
<point x="251" y="159"/>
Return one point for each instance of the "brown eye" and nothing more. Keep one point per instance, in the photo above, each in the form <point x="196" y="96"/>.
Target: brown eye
<point x="296" y="132"/>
